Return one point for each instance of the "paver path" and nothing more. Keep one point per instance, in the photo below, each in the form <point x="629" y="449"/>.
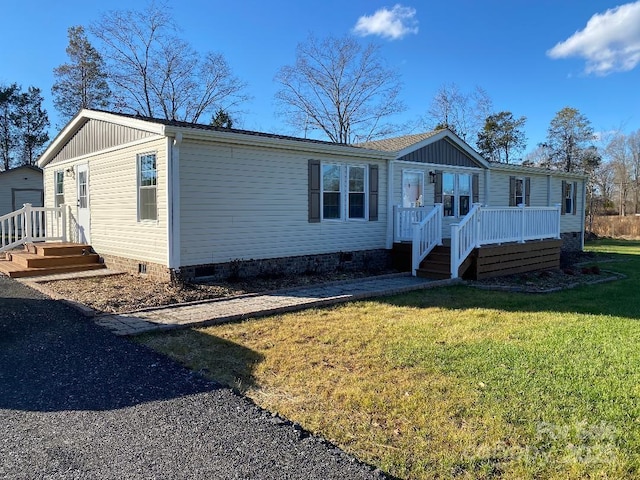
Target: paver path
<point x="222" y="310"/>
<point x="79" y="402"/>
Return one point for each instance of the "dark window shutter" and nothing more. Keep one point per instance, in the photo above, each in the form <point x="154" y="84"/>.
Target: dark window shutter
<point x="373" y="192"/>
<point x="475" y="188"/>
<point x="574" y="203"/>
<point x="527" y="191"/>
<point x="563" y="201"/>
<point x="437" y="188"/>
<point x="512" y="191"/>
<point x="314" y="191"/>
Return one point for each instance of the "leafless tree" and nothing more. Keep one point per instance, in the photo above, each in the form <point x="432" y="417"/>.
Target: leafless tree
<point x="340" y="88"/>
<point x="155" y="73"/>
<point x="464" y="113"/>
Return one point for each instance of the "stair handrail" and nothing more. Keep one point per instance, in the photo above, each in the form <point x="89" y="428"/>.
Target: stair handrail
<point x="30" y="223"/>
<point x="426" y="235"/>
<point x="12" y="229"/>
<point x="464" y="238"/>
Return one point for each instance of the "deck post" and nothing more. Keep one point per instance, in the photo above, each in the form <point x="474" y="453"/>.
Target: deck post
<point x="522" y="222"/>
<point x="63" y="219"/>
<point x="559" y="208"/>
<point x="27" y="225"/>
<point x="455" y="247"/>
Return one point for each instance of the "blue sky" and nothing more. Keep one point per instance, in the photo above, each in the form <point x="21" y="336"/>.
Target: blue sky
<point x="505" y="47"/>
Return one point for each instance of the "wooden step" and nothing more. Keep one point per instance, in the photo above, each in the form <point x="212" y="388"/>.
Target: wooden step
<point x="32" y="260"/>
<point x="16" y="271"/>
<point x="58" y="249"/>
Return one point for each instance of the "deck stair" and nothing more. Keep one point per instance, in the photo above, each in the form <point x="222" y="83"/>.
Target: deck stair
<point x="437" y="265"/>
<point x="39" y="259"/>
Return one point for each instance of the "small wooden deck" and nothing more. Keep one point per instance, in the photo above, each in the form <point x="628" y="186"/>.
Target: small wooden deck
<point x="39" y="259"/>
<point x="485" y="262"/>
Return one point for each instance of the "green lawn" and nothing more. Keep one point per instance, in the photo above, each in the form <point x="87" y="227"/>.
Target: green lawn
<point x="452" y="382"/>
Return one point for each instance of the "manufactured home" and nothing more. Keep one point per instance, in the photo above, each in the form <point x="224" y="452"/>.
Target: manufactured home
<point x="169" y="198"/>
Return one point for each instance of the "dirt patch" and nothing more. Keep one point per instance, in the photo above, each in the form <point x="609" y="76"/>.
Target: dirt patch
<point x="126" y="293"/>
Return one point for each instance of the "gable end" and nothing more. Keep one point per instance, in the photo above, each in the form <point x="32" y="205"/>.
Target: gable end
<point x="442" y="152"/>
<point x="96" y="135"/>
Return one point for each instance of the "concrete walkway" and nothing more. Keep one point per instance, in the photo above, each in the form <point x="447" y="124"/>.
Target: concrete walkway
<point x="198" y="314"/>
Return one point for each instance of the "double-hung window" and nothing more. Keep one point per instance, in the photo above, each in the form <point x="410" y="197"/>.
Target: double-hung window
<point x="147" y="187"/>
<point x="59" y="187"/>
<point x="568" y="197"/>
<point x="344" y="192"/>
<point x="357" y="192"/>
<point x="331" y="192"/>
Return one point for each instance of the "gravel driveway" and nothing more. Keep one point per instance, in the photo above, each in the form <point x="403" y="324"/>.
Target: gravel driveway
<point x="78" y="402"/>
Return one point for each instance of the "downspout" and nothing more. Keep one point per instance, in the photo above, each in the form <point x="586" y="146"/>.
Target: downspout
<point x="549" y="204"/>
<point x="173" y="202"/>
<point x="390" y="217"/>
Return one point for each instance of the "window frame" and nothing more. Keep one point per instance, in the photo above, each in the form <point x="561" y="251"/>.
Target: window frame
<point x="140" y="187"/>
<point x="456" y="196"/>
<point x="345" y="192"/>
<point x="58" y="197"/>
<point x="567" y="198"/>
<point x="419" y="203"/>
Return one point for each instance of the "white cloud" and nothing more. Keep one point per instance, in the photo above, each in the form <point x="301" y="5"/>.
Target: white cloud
<point x="392" y="24"/>
<point x="609" y="43"/>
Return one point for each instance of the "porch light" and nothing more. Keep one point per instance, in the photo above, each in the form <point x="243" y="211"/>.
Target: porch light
<point x="432" y="177"/>
<point x="70" y="172"/>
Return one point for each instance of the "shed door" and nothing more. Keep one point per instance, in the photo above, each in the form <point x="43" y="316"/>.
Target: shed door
<point x="83" y="216"/>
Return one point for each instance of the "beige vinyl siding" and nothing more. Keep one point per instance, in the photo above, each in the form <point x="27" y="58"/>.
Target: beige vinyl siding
<point x="252" y="203"/>
<point x="499" y="188"/>
<point x="113" y="182"/>
<point x="541" y="196"/>
<point x="429" y="188"/>
<point x="22" y="179"/>
<point x="568" y="222"/>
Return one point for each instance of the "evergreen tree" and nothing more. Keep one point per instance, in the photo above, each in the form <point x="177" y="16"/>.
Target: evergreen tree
<point x="81" y="83"/>
<point x="8" y="138"/>
<point x="501" y="137"/>
<point x="222" y="119"/>
<point x="32" y="122"/>
<point x="569" y="142"/>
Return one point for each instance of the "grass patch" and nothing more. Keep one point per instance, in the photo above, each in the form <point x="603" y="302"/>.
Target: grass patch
<point x="452" y="382"/>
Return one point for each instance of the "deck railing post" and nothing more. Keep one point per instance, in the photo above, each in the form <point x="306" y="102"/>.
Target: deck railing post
<point x="455" y="247"/>
<point x="522" y="222"/>
<point x="63" y="219"/>
<point x="28" y="225"/>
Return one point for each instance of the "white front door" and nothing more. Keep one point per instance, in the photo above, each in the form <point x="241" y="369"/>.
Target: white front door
<point x="83" y="217"/>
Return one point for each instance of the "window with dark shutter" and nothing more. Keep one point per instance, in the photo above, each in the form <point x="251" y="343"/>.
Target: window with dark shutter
<point x="373" y="192"/>
<point x="314" y="191"/>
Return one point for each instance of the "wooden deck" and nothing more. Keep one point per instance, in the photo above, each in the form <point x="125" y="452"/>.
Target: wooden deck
<point x="484" y="262"/>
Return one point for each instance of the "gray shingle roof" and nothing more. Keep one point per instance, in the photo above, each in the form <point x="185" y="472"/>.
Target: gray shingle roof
<point x="396" y="144"/>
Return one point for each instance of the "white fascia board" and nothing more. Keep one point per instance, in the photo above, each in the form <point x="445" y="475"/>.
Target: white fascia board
<point x="536" y="170"/>
<point x="83" y="117"/>
<point x="248" y="139"/>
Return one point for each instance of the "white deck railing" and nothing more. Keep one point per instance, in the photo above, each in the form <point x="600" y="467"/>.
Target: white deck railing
<point x="405" y="218"/>
<point x="518" y="224"/>
<point x="464" y="238"/>
<point x="31" y="224"/>
<point x="481" y="226"/>
<point x="426" y="235"/>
